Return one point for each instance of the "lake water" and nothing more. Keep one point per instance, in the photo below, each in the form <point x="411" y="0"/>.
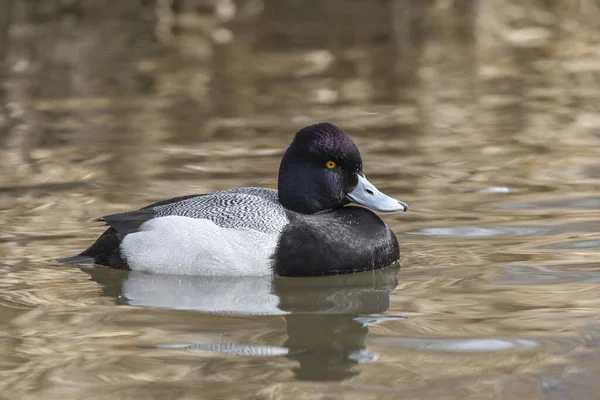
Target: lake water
<point x="484" y="116"/>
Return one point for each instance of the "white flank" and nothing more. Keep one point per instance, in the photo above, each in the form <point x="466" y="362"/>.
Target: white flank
<point x="190" y="246"/>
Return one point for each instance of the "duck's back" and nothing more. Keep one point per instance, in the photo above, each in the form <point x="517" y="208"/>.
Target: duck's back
<point x="241" y="208"/>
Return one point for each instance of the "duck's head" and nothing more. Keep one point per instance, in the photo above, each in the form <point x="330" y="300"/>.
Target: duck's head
<point x="322" y="170"/>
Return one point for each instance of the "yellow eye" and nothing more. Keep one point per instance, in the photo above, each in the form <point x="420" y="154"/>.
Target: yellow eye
<point x="330" y="164"/>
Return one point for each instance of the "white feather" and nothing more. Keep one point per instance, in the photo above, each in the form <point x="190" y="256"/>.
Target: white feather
<point x="190" y="246"/>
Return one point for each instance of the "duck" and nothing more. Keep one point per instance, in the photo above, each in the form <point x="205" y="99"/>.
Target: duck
<point x="320" y="221"/>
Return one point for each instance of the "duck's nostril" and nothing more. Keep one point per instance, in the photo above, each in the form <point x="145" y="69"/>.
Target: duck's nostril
<point x="369" y="191"/>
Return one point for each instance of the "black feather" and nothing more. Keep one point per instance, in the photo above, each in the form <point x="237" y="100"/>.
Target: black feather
<point x="128" y="222"/>
<point x="351" y="239"/>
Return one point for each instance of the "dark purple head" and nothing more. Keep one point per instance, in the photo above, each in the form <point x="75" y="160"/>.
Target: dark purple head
<point x="322" y="170"/>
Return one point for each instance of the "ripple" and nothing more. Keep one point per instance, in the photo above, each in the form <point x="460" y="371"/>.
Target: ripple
<point x="368" y="321"/>
<point x="230" y="348"/>
<point x="461" y="345"/>
<point x="489" y="189"/>
<point x="363" y="356"/>
<point x="581" y="203"/>
<point x="478" y="231"/>
<point x="540" y="275"/>
<point x="590" y="172"/>
<point x="512" y="230"/>
<point x="574" y="245"/>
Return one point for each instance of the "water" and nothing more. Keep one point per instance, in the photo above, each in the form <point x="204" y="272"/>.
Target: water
<point x="482" y="115"/>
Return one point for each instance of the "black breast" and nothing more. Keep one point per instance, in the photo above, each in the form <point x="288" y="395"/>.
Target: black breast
<point x="347" y="240"/>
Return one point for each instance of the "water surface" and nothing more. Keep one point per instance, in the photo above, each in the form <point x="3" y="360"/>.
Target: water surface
<point x="482" y="115"/>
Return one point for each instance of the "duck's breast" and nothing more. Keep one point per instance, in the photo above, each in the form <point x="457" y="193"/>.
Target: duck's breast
<point x="351" y="239"/>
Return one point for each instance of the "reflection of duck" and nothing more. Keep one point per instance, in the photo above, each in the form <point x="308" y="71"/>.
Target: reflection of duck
<point x="303" y="229"/>
<point x="327" y="318"/>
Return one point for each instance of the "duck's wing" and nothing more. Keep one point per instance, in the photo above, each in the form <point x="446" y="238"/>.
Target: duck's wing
<point x="174" y="200"/>
<point x="130" y="221"/>
<point x="244" y="208"/>
<point x="127" y="222"/>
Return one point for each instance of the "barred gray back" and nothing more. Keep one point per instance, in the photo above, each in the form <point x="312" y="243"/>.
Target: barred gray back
<point x="250" y="208"/>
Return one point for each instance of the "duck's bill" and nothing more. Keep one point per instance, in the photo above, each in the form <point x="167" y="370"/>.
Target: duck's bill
<point x="366" y="194"/>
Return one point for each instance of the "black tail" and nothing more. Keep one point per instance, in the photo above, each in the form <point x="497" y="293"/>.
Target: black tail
<point x="105" y="251"/>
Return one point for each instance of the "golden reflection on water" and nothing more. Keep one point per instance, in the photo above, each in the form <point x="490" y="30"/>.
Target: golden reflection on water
<point x="482" y="115"/>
